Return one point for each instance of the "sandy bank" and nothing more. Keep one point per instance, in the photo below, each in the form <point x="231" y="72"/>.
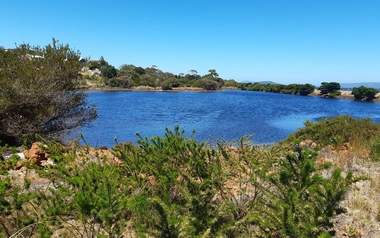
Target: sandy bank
<point x="345" y="94"/>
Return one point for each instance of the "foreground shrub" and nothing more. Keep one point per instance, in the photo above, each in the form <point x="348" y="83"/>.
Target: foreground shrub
<point x="174" y="186"/>
<point x="39" y="93"/>
<point x="296" y="200"/>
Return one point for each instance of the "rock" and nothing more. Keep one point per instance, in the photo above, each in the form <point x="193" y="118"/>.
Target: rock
<point x="309" y="144"/>
<point x="19" y="164"/>
<point x="35" y="155"/>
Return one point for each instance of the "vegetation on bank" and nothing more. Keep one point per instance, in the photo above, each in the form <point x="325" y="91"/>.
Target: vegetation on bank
<point x="101" y="74"/>
<point x="39" y="93"/>
<point x="174" y="186"/>
<point x="128" y="76"/>
<point x="364" y="93"/>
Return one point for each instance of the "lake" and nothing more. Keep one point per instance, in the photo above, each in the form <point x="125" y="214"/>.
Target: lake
<point x="228" y="114"/>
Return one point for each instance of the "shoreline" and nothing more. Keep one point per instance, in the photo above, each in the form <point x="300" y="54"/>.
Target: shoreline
<point x="151" y="89"/>
<point x="345" y="94"/>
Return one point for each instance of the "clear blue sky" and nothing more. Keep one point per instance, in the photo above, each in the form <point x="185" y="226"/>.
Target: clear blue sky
<point x="286" y="41"/>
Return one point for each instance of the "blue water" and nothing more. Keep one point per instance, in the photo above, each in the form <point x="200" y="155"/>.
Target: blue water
<point x="270" y="117"/>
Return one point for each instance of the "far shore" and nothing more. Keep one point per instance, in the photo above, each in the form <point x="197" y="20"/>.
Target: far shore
<point x="152" y="89"/>
<point x="345" y="94"/>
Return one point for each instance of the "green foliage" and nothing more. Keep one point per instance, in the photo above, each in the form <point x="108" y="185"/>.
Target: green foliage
<point x="301" y="89"/>
<point x="347" y="127"/>
<point x="173" y="186"/>
<point x="184" y="177"/>
<point x="209" y="84"/>
<point x="93" y="193"/>
<point x="19" y="214"/>
<point x="39" y="93"/>
<point x="334" y="94"/>
<point x="139" y="70"/>
<point x="121" y="82"/>
<point x="169" y="84"/>
<point x="306" y="89"/>
<point x="297" y="201"/>
<point x="108" y="71"/>
<point x="230" y="83"/>
<point x="364" y="93"/>
<point x="94" y="64"/>
<point x="374" y="154"/>
<point x="327" y="88"/>
<point x="9" y="163"/>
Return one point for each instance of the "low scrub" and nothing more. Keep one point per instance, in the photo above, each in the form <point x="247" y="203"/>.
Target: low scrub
<point x="338" y="130"/>
<point x="174" y="186"/>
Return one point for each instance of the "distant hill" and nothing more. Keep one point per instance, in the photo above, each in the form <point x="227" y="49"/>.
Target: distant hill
<point x="350" y="86"/>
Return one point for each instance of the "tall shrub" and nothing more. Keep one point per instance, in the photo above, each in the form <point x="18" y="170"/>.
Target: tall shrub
<point x="38" y="93"/>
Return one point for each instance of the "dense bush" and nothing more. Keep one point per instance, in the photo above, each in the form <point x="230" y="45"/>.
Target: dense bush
<point x="347" y="128"/>
<point x="297" y="201"/>
<point x="38" y="93"/>
<point x="209" y="84"/>
<point x="169" y="84"/>
<point x="121" y="82"/>
<point x="327" y="88"/>
<point x="172" y="186"/>
<point x="306" y="89"/>
<point x="108" y="71"/>
<point x="364" y="93"/>
<point x="300" y="89"/>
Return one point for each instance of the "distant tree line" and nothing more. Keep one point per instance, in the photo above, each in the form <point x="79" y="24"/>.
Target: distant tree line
<point x="298" y="89"/>
<point x="129" y="75"/>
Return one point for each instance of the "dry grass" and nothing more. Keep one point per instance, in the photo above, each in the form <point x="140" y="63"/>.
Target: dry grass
<point x="362" y="200"/>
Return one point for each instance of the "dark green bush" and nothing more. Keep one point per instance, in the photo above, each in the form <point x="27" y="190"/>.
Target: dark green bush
<point x="364" y="93"/>
<point x="209" y="84"/>
<point x="120" y="82"/>
<point x="327" y="88"/>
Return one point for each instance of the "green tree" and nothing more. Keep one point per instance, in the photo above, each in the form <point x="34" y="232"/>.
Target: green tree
<point x="213" y="73"/>
<point x="364" y="93"/>
<point x="94" y="64"/>
<point x="291" y="89"/>
<point x="38" y="93"/>
<point x="169" y="84"/>
<point x="231" y="83"/>
<point x="108" y="71"/>
<point x="306" y="89"/>
<point x="103" y="62"/>
<point x="139" y="70"/>
<point x="208" y="84"/>
<point x="327" y="88"/>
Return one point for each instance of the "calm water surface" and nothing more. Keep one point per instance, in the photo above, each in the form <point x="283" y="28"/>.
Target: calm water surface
<point x="270" y="117"/>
